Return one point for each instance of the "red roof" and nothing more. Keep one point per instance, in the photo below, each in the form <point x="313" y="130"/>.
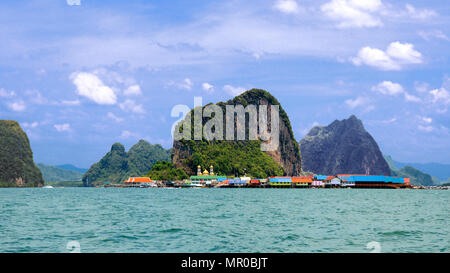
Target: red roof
<point x="139" y="180"/>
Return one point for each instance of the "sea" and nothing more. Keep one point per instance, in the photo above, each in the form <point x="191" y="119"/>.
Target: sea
<point x="63" y="220"/>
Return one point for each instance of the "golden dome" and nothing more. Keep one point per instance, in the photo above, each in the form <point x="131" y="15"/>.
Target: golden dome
<point x="205" y="172"/>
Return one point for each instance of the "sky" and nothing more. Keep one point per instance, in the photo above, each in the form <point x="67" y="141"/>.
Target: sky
<point x="80" y="75"/>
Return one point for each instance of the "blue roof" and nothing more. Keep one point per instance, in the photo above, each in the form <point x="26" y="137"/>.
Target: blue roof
<point x="375" y="178"/>
<point x="280" y="180"/>
<point x="320" y="177"/>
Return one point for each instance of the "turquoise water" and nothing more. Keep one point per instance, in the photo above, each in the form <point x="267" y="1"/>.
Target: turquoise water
<point x="223" y="220"/>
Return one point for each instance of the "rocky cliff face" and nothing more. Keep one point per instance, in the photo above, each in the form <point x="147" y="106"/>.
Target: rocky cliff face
<point x="117" y="165"/>
<point x="17" y="168"/>
<point x="342" y="147"/>
<point x="187" y="154"/>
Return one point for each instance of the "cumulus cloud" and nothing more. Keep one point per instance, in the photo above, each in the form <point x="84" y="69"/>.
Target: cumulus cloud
<point x="425" y="128"/>
<point x="207" y="87"/>
<point x="114" y="117"/>
<point x="420" y="14"/>
<point x="427" y="119"/>
<point x="91" y="87"/>
<point x="437" y="34"/>
<point x="6" y="94"/>
<point x="388" y="88"/>
<point x="287" y="6"/>
<point x="62" y="127"/>
<point x="73" y="2"/>
<point x="395" y="56"/>
<point x="234" y="91"/>
<point x="71" y="102"/>
<point x="440" y="95"/>
<point x="411" y="98"/>
<point x="132" y="106"/>
<point x="128" y="134"/>
<point x="353" y="13"/>
<point x="30" y="125"/>
<point x="359" y="101"/>
<point x="404" y="53"/>
<point x="17" y="106"/>
<point x="133" y="90"/>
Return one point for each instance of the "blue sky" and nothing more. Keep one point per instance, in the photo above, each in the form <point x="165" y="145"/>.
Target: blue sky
<point x="81" y="75"/>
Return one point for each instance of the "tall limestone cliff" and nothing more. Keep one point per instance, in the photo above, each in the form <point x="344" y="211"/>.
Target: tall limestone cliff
<point x="17" y="168"/>
<point x="117" y="165"/>
<point x="239" y="157"/>
<point x="342" y="147"/>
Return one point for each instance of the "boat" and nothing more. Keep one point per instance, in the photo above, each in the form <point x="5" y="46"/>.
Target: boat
<point x="47" y="187"/>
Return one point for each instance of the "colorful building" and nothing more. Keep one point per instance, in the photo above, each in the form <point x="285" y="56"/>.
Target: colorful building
<point x="140" y="182"/>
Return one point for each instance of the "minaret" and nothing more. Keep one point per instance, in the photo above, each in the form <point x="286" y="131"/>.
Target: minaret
<point x="211" y="170"/>
<point x="199" y="170"/>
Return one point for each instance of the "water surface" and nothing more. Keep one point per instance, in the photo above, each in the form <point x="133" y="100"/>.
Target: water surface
<point x="223" y="220"/>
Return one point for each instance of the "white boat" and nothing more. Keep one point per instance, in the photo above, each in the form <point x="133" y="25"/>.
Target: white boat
<point x="47" y="187"/>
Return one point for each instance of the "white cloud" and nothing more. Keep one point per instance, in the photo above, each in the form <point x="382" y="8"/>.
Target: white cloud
<point x="234" y="91"/>
<point x="128" y="134"/>
<point x="359" y="101"/>
<point x="376" y="58"/>
<point x="353" y="13"/>
<point x="185" y="84"/>
<point x="440" y="95"/>
<point x="396" y="55"/>
<point x="30" y="125"/>
<point x="71" y="102"/>
<point x="425" y="128"/>
<point x="62" y="127"/>
<point x="422" y="14"/>
<point x="91" y="87"/>
<point x="388" y="88"/>
<point x="131" y="106"/>
<point x="287" y="6"/>
<point x="411" y="98"/>
<point x="17" y="106"/>
<point x="73" y="2"/>
<point x="428" y="35"/>
<point x="389" y="121"/>
<point x="133" y="90"/>
<point x="6" y="94"/>
<point x="114" y="117"/>
<point x="405" y="53"/>
<point x="427" y="119"/>
<point x="207" y="87"/>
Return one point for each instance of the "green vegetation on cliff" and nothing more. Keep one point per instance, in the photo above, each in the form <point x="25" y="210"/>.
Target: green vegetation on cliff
<point x="17" y="168"/>
<point x="236" y="157"/>
<point x="117" y="165"/>
<point x="246" y="156"/>
<point x="166" y="171"/>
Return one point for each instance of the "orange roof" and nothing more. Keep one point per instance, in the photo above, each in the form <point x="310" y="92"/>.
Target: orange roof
<point x="301" y="180"/>
<point x="138" y="180"/>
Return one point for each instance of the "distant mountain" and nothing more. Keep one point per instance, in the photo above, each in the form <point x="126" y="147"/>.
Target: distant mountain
<point x="117" y="165"/>
<point x="71" y="167"/>
<point x="417" y="177"/>
<point x="342" y="147"/>
<point x="56" y="174"/>
<point x="17" y="168"/>
<point x="441" y="171"/>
